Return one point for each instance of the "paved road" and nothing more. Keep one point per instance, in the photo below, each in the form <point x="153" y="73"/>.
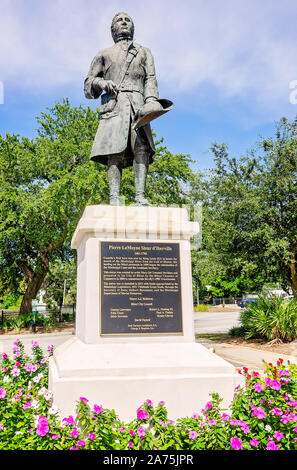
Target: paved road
<point x="216" y="323"/>
<point x="44" y="340"/>
<point x="205" y="322"/>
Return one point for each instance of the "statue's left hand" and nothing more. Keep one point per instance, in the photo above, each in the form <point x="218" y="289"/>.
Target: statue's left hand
<point x="107" y="85"/>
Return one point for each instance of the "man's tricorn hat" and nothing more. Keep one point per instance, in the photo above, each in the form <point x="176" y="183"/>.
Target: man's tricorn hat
<point x="151" y="111"/>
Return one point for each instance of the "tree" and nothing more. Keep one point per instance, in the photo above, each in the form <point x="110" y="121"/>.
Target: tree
<point x="60" y="283"/>
<point x="251" y="207"/>
<point x="45" y="184"/>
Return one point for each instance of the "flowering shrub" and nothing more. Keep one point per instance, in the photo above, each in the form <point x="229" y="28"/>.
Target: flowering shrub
<point x="261" y="416"/>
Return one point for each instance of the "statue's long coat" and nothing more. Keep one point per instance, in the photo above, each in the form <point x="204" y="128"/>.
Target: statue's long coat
<point x="139" y="84"/>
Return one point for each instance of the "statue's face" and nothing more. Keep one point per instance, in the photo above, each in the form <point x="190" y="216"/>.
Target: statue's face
<point x="123" y="25"/>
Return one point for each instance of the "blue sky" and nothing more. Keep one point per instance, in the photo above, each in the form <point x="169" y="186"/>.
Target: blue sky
<point x="226" y="65"/>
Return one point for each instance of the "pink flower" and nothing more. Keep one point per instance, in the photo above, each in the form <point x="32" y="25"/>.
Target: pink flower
<point x="286" y="419"/>
<point x="130" y="444"/>
<point x="292" y="402"/>
<point x="285" y="381"/>
<point x="98" y="409"/>
<point x="55" y="436"/>
<point x="15" y="372"/>
<point x="149" y="402"/>
<point x="225" y="417"/>
<point x="81" y="443"/>
<point x="122" y="429"/>
<point x="258" y="387"/>
<point x="162" y="403"/>
<point x="278" y="435"/>
<point x="28" y="366"/>
<point x="260" y="413"/>
<point x="74" y="433"/>
<point x="234" y="422"/>
<point x="42" y="427"/>
<point x="195" y="416"/>
<point x="193" y="435"/>
<point x="208" y="406"/>
<point x="27" y="405"/>
<point x="91" y="436"/>
<point x="141" y="432"/>
<point x="275" y="385"/>
<point x="254" y="442"/>
<point x="235" y="443"/>
<point x="276" y="411"/>
<point x="4" y="356"/>
<point x="3" y="393"/>
<point x="142" y="414"/>
<point x="212" y="423"/>
<point x="267" y="381"/>
<point x="284" y="372"/>
<point x="245" y="428"/>
<point x="70" y="420"/>
<point x="34" y="344"/>
<point x="132" y="433"/>
<point x="271" y="446"/>
<point x="84" y="399"/>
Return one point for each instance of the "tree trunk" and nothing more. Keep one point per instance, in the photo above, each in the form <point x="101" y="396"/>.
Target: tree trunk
<point x="293" y="281"/>
<point x="35" y="280"/>
<point x="293" y="274"/>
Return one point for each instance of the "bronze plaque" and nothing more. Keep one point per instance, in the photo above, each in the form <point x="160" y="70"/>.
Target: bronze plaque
<point x="140" y="288"/>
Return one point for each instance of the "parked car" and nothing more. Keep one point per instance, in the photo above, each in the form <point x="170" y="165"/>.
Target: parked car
<point x="246" y="302"/>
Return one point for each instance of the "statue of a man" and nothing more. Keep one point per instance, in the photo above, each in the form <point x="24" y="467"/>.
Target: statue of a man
<point x="126" y="73"/>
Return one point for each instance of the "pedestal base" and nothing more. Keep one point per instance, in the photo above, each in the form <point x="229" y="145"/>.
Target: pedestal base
<point x="123" y="375"/>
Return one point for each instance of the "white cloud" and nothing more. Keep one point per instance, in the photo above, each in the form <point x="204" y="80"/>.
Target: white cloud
<point x="241" y="49"/>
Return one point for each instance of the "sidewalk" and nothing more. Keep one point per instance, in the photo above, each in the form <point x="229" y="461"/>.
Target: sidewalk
<point x="239" y="356"/>
<point x="44" y="340"/>
<point x="242" y="356"/>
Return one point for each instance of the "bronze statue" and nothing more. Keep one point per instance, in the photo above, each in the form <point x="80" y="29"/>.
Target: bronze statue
<point x="126" y="73"/>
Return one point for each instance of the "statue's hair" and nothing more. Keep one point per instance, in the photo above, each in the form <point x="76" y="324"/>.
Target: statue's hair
<point x="113" y="33"/>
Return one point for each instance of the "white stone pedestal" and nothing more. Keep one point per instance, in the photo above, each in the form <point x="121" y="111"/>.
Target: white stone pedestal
<point x="121" y="371"/>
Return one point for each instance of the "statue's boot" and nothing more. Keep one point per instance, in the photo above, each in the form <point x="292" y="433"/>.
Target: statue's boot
<point x="114" y="175"/>
<point x="140" y="174"/>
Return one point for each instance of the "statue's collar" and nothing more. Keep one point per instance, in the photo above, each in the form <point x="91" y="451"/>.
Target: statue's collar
<point x="127" y="45"/>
